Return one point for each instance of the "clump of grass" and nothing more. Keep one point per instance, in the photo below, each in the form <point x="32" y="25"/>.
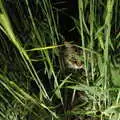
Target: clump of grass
<point x="32" y="78"/>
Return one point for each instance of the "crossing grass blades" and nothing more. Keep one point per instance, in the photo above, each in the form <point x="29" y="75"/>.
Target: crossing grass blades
<point x="44" y="76"/>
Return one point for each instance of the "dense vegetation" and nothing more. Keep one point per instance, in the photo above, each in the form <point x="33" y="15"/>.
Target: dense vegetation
<point x="37" y="37"/>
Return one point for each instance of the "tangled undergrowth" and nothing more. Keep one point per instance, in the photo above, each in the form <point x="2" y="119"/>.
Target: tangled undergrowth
<point x="59" y="60"/>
